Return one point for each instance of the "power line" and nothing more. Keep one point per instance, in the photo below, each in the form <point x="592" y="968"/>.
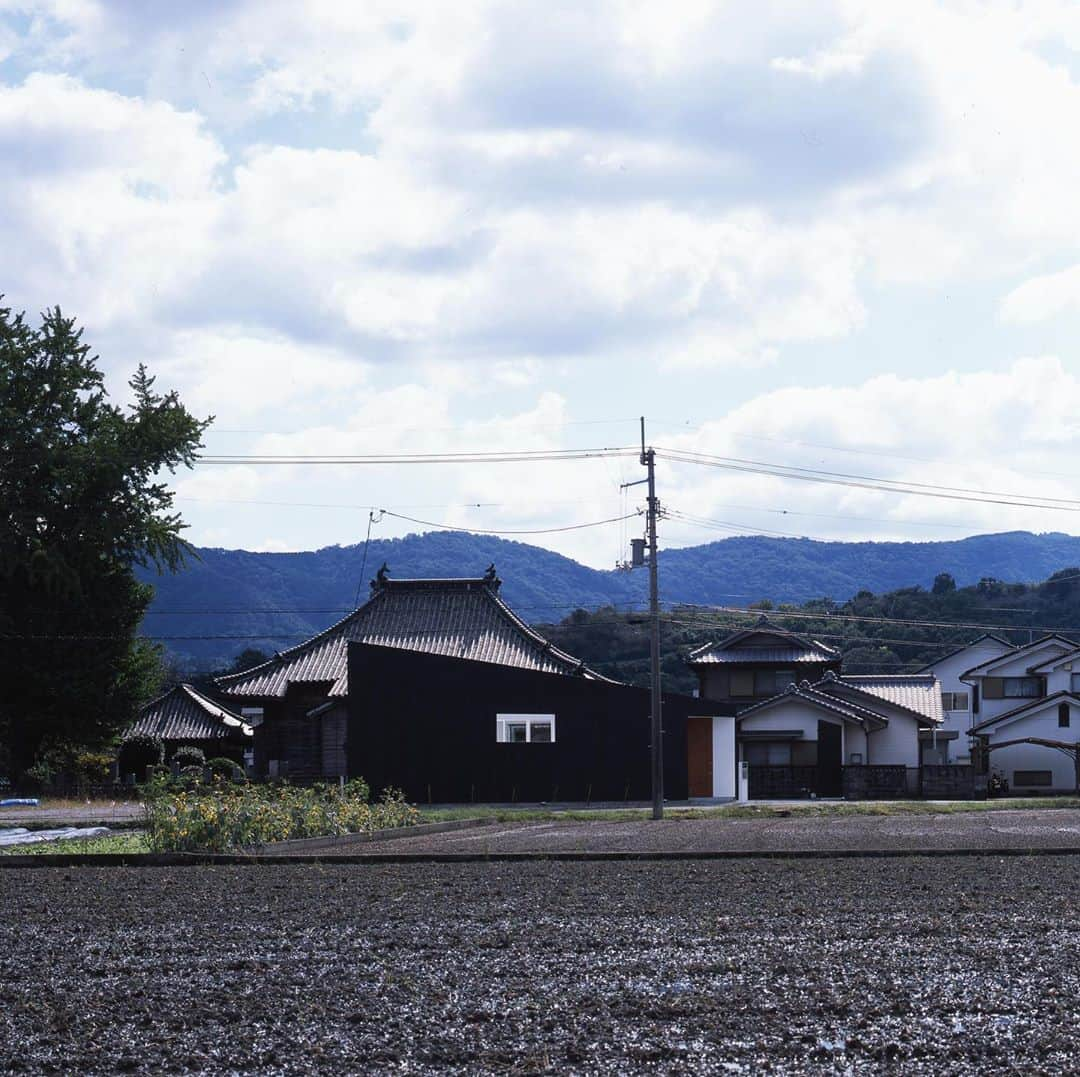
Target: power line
<point x="894" y="486"/>
<point x="526" y="531"/>
<point x="493" y="457"/>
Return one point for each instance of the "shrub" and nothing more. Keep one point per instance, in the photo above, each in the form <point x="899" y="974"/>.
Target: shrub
<point x="227" y="769"/>
<point x="139" y="751"/>
<point x="220" y="817"/>
<point x="187" y="755"/>
<point x="93" y="767"/>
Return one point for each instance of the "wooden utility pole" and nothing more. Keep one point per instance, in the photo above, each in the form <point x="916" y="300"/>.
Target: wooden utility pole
<point x="648" y="460"/>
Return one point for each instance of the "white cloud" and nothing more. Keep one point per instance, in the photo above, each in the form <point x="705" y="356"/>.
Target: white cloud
<point x="1043" y="297"/>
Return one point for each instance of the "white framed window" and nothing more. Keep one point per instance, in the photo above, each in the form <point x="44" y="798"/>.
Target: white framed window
<point x="525" y="728"/>
<point x="954" y="701"/>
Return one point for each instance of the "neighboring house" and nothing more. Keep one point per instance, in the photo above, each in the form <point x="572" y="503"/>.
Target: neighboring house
<point x="299" y="698"/>
<point x="757" y="663"/>
<point x="1029" y="692"/>
<point x="803" y="729"/>
<point x="446" y="729"/>
<point x="956" y="694"/>
<point x="183" y="715"/>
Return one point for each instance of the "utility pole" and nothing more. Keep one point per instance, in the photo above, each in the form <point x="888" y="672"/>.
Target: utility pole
<point x="648" y="460"/>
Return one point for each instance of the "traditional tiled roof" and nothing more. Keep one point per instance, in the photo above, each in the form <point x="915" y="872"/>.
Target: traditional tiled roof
<point x="766" y="643"/>
<point x="460" y="618"/>
<point x="845" y="708"/>
<point x="184" y="713"/>
<point x="919" y="693"/>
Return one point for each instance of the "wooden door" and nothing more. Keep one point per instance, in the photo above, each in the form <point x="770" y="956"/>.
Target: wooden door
<point x="699" y="760"/>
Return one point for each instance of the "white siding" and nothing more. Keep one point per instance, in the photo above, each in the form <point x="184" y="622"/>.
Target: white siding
<point x="1020" y="757"/>
<point x="1013" y="667"/>
<point x="724" y="765"/>
<point x="948" y="672"/>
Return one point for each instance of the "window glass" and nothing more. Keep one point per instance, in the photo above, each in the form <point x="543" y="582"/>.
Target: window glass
<point x="1022" y="687"/>
<point x="1074" y="682"/>
<point x="742" y="683"/>
<point x="767" y="753"/>
<point x="525" y="728"/>
<point x="784" y="679"/>
<point x="1032" y="777"/>
<point x="764" y="682"/>
<point x="1063" y="715"/>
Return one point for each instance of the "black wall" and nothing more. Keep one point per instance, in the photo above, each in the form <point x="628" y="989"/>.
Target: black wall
<point x="426" y="724"/>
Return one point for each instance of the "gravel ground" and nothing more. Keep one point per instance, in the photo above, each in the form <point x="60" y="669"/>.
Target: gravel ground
<point x="939" y="965"/>
<point x="1038" y="829"/>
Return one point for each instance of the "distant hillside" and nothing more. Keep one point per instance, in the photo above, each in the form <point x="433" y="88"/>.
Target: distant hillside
<point x="898" y="631"/>
<point x="273" y="600"/>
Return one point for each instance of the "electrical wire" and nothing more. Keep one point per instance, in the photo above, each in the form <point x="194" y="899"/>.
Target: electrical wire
<point x="893" y="486"/>
<point x="535" y="456"/>
<point x="525" y="531"/>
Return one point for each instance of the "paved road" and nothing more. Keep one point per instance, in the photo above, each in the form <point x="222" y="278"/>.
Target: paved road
<point x="989" y="830"/>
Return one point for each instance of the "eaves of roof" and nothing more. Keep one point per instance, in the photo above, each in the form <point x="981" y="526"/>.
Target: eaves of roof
<point x="960" y="650"/>
<point x="1030" y="705"/>
<point x="850" y="712"/>
<point x="1071" y="644"/>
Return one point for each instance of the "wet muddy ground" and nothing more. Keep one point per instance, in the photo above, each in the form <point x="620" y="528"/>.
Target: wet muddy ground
<point x="930" y="965"/>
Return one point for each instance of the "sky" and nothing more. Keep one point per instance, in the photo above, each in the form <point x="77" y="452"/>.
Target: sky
<point x="842" y="236"/>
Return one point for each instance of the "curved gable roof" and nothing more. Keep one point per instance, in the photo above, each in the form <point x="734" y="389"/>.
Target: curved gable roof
<point x="459" y="618"/>
<point x="184" y="713"/>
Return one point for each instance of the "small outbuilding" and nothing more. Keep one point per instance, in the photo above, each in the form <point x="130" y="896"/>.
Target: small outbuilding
<point x="184" y="716"/>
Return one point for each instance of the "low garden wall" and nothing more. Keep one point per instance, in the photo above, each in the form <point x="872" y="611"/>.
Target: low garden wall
<point x="869" y="782"/>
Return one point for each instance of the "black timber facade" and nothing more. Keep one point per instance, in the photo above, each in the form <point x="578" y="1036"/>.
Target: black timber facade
<point x="426" y="724"/>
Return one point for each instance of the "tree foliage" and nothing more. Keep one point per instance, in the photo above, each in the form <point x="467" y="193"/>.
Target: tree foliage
<point x="82" y="503"/>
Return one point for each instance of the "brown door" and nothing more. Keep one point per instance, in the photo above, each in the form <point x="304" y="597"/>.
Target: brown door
<point x="699" y="756"/>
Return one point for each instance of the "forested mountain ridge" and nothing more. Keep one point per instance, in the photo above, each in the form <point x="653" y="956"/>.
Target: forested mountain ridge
<point x="896" y="632"/>
<point x="227" y="600"/>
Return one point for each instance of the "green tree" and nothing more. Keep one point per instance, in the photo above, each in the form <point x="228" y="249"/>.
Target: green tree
<point x="81" y="503"/>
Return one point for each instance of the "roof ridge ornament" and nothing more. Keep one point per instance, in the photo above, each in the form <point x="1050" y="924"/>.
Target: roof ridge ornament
<point x="381" y="578"/>
<point x="491" y="579"/>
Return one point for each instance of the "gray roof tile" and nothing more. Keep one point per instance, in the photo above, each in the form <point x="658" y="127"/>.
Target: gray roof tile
<point x="183" y="713"/>
<point x="461" y="618"/>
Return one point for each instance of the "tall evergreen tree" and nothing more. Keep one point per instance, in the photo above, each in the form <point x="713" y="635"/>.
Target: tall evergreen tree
<point x="81" y="503"/>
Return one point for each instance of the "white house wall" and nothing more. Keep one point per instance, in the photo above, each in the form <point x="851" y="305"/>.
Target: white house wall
<point x="895" y="745"/>
<point x="1042" y="723"/>
<point x="789" y="715"/>
<point x="948" y="672"/>
<point x="724" y="764"/>
<point x="1019" y="664"/>
<point x="1013" y="667"/>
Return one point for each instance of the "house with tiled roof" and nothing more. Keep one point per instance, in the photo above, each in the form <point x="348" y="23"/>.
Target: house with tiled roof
<point x="183" y="716"/>
<point x="298" y="699"/>
<point x="802" y="728"/>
